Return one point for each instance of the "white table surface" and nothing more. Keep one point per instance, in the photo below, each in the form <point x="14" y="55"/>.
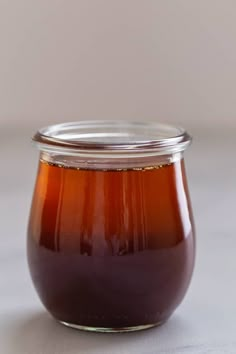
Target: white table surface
<point x="206" y="320"/>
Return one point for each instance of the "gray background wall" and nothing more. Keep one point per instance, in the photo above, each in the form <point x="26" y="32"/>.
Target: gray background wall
<point x="154" y="59"/>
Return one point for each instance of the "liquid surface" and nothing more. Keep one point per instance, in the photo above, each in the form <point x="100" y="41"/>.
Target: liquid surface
<point x="111" y="248"/>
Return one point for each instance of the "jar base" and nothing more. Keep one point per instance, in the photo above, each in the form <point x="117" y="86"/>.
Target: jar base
<point x="110" y="329"/>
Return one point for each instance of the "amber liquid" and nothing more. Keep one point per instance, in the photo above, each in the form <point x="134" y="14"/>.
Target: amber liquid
<point x="111" y="248"/>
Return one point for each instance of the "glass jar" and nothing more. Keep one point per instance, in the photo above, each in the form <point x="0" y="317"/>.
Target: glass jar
<point x="111" y="237"/>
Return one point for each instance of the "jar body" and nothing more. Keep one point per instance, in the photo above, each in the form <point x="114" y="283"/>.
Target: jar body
<point x="111" y="249"/>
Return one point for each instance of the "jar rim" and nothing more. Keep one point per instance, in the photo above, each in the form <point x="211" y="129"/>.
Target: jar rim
<point x="106" y="136"/>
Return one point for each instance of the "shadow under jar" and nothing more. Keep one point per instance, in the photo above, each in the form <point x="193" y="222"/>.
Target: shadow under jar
<point x="110" y="238"/>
